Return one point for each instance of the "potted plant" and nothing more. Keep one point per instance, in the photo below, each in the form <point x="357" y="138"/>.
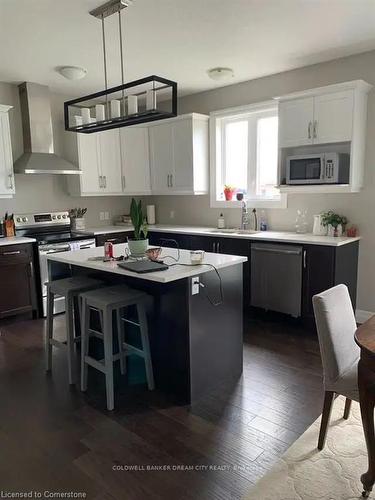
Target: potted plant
<point x="139" y="243"/>
<point x="336" y="223"/>
<point x="229" y="192"/>
<point x="77" y="218"/>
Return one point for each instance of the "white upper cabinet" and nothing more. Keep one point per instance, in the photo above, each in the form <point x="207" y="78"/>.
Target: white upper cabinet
<point x="161" y="157"/>
<point x="7" y="189"/>
<point x="88" y="159"/>
<point x="166" y="157"/>
<point x="135" y="161"/>
<point x="333" y="117"/>
<point x="296" y="122"/>
<point x="321" y="120"/>
<point x="179" y="155"/>
<point x="99" y="159"/>
<point x="110" y="161"/>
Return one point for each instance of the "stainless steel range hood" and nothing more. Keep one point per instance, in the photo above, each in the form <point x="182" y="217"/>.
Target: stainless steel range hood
<point x="39" y="156"/>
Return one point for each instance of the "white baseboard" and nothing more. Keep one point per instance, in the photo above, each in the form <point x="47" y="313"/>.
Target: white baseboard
<point x="362" y="316"/>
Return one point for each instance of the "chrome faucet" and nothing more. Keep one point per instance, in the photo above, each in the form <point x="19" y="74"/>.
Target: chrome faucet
<point x="244" y="213"/>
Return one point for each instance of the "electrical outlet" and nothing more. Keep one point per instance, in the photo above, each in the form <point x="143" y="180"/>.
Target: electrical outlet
<point x="195" y="285"/>
<point x="101" y="215"/>
<point x="171" y="214"/>
<point x="106" y="215"/>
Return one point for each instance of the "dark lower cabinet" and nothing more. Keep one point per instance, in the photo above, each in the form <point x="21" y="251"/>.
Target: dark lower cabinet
<point x="17" y="282"/>
<point x="325" y="267"/>
<point x="322" y="266"/>
<point x="115" y="238"/>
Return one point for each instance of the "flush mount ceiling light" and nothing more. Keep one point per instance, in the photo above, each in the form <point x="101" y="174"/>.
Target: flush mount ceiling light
<point x="221" y="74"/>
<point x="127" y="104"/>
<point x="72" y="72"/>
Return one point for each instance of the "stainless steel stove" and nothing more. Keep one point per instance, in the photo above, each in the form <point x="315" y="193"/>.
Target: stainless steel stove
<point x="53" y="234"/>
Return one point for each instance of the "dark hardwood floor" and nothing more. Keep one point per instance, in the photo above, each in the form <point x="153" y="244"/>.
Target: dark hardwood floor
<point x="54" y="438"/>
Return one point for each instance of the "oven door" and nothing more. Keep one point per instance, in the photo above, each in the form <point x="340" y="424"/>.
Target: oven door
<point x="307" y="169"/>
<point x="58" y="271"/>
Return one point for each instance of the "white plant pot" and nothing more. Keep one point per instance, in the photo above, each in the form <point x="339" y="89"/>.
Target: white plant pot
<point x="331" y="230"/>
<point x="137" y="248"/>
<point x="78" y="224"/>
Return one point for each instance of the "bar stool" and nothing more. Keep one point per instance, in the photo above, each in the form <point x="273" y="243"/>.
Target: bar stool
<point x="105" y="301"/>
<point x="70" y="288"/>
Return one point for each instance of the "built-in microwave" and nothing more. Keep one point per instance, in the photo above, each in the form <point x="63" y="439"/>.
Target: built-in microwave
<point x="320" y="168"/>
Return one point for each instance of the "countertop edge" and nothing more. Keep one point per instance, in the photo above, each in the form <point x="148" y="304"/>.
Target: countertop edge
<point x="211" y="232"/>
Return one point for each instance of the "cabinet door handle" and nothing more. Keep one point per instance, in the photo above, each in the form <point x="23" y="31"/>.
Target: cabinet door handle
<point x="309" y="130"/>
<point x="168" y="180"/>
<point x="105" y="181"/>
<point x="315" y="129"/>
<point x="171" y="180"/>
<point x="218" y="247"/>
<point x="16" y="252"/>
<point x="213" y="247"/>
<point x="100" y="181"/>
<point x="123" y="182"/>
<point x="10" y="181"/>
<point x="304" y="259"/>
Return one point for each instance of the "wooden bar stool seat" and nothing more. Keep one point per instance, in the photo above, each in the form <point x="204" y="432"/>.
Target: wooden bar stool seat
<point x="105" y="302"/>
<point x="70" y="288"/>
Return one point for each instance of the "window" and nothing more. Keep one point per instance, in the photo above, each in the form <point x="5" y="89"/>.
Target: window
<point x="244" y="151"/>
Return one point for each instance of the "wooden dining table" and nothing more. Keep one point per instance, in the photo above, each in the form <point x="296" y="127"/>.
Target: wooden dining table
<point x="365" y="338"/>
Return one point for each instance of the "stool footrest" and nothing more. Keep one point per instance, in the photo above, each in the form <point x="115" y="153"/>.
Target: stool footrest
<point x="99" y="363"/>
<point x="125" y="320"/>
<point x="57" y="343"/>
<point x="95" y="333"/>
<point x="133" y="350"/>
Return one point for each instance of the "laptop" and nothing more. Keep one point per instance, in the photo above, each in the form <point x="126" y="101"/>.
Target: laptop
<point x="143" y="266"/>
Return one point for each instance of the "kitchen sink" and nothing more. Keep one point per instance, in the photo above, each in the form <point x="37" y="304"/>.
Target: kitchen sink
<point x="234" y="231"/>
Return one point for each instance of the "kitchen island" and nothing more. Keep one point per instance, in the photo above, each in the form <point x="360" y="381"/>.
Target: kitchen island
<point x="194" y="314"/>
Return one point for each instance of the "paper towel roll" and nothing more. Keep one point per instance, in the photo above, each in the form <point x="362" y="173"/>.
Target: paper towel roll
<point x="150" y="214"/>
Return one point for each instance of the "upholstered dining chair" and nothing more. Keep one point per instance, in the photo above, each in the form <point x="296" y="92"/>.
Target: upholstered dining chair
<point x="335" y="323"/>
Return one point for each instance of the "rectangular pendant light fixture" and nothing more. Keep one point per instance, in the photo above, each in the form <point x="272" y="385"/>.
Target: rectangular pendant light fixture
<point x="140" y="101"/>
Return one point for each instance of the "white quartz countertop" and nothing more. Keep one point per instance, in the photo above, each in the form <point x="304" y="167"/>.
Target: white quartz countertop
<point x="272" y="236"/>
<point x="174" y="273"/>
<point x="15" y="240"/>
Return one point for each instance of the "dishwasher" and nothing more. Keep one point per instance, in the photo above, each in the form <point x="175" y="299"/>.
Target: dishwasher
<point x="276" y="277"/>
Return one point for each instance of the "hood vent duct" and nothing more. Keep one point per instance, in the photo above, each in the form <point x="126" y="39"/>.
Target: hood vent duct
<point x="39" y="156"/>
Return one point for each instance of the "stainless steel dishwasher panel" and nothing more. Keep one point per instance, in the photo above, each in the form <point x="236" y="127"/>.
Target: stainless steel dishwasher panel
<point x="276" y="277"/>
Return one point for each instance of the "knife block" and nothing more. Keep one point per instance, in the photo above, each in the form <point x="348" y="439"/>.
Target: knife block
<point x="9" y="229"/>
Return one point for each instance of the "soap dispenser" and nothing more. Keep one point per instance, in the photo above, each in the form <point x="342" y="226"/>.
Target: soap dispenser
<point x="221" y="222"/>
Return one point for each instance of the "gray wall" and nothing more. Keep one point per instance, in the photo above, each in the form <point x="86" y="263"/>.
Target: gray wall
<point x="48" y="192"/>
<point x="360" y="208"/>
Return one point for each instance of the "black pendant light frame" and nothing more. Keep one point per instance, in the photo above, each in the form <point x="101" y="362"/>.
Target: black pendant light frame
<point x="134" y="102"/>
<point x="123" y="121"/>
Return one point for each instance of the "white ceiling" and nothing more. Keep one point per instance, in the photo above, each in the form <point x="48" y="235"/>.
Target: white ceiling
<point x="178" y="39"/>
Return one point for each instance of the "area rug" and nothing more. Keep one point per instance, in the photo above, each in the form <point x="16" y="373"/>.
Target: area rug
<point x="305" y="473"/>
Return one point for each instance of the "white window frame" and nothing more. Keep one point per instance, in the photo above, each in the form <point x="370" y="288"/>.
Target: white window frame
<point x="216" y="153"/>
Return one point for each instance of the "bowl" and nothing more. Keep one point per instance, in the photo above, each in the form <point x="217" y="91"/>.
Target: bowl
<point x="153" y="253"/>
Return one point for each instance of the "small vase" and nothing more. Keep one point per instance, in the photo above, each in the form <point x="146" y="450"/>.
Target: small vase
<point x="137" y="248"/>
<point x="228" y="195"/>
<point x="78" y="224"/>
<point x="338" y="231"/>
<point x="331" y="230"/>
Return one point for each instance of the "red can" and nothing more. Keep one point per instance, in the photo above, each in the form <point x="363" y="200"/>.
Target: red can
<point x="108" y="250"/>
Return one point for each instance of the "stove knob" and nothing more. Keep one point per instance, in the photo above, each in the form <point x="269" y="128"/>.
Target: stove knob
<point x="53" y="217"/>
<point x="59" y="217"/>
<point x="64" y="216"/>
<point x="18" y="219"/>
<point x="24" y="219"/>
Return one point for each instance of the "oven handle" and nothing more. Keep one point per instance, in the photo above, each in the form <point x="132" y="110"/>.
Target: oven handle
<point x="43" y="252"/>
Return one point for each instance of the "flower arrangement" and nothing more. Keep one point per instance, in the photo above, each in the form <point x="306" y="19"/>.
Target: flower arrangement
<point x="229" y="192"/>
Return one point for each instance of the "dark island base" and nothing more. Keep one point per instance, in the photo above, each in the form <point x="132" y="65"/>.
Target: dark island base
<point x="195" y="346"/>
